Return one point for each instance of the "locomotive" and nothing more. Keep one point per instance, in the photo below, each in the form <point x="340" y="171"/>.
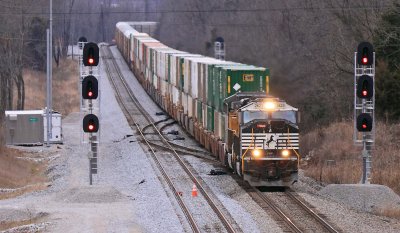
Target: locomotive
<point x="225" y="106"/>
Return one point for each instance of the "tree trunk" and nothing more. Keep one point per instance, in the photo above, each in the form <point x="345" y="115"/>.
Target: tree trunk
<point x="20" y="91"/>
<point x="9" y="94"/>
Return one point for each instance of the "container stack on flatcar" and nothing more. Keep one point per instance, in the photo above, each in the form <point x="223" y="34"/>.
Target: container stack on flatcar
<point x="224" y="105"/>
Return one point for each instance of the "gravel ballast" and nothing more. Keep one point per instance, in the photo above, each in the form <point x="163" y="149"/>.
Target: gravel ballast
<point x="367" y="197"/>
<point x="341" y="213"/>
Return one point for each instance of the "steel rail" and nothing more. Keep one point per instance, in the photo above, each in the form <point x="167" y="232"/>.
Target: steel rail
<point x="183" y="152"/>
<point x="155" y="123"/>
<point x="200" y="187"/>
<point x="324" y="223"/>
<point x="179" y="199"/>
<point x="277" y="210"/>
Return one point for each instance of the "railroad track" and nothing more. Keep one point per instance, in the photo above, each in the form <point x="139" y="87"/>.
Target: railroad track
<point x="326" y="226"/>
<point x="183" y="150"/>
<point x="136" y="113"/>
<point x="288" y="210"/>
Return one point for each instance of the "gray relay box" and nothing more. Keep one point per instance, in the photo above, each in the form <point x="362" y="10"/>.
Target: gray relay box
<point x="29" y="127"/>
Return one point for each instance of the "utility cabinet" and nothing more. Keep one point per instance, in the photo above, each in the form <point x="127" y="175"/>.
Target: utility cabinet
<point x="30" y="127"/>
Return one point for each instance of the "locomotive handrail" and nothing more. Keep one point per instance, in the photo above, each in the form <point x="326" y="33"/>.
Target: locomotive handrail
<point x="252" y="143"/>
<point x="297" y="154"/>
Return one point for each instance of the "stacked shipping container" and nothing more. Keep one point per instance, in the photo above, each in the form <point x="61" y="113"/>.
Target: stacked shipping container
<point x="190" y="87"/>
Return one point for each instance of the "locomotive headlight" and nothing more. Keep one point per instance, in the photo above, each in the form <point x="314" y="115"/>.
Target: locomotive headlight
<point x="269" y="105"/>
<point x="256" y="153"/>
<point x="285" y="153"/>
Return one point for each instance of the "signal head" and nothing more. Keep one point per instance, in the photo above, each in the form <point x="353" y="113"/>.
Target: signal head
<point x="90" y="87"/>
<point x="90" y="123"/>
<point x="91" y="54"/>
<point x="81" y="39"/>
<point x="364" y="122"/>
<point x="365" y="54"/>
<point x="365" y="87"/>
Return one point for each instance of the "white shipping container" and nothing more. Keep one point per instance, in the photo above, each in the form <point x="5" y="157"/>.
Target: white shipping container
<point x="142" y="48"/>
<point x="190" y="106"/>
<point x="147" y="74"/>
<point x="159" y="62"/>
<point x="194" y="80"/>
<point x="196" y="84"/>
<point x="173" y="69"/>
<point x="175" y="96"/>
<point x="171" y="64"/>
<point x="135" y="42"/>
<point x="152" y="49"/>
<point x="184" y="102"/>
<point x="204" y="116"/>
<point x="186" y="74"/>
<point x="163" y="61"/>
<point x="180" y="69"/>
<point x="155" y="81"/>
<point x="133" y="46"/>
<point x="195" y="106"/>
<point x="163" y="87"/>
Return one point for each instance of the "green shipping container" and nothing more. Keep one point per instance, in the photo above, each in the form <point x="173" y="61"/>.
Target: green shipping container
<point x="231" y="79"/>
<point x="213" y="80"/>
<point x="210" y="118"/>
<point x="199" y="111"/>
<point x="182" y="73"/>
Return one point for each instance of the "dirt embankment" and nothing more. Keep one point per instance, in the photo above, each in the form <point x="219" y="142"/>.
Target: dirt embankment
<point x="22" y="172"/>
<point x="334" y="159"/>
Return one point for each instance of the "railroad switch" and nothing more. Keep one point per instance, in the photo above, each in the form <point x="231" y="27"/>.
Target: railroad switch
<point x="173" y="132"/>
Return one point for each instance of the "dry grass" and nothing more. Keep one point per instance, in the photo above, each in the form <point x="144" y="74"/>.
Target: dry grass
<point x="27" y="176"/>
<point x="336" y="143"/>
<point x="65" y="88"/>
<point x="389" y="212"/>
<point x="32" y="219"/>
<point x="12" y="224"/>
<point x="23" y="175"/>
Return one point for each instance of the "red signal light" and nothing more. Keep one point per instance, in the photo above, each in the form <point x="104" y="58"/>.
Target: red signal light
<point x="91" y="127"/>
<point x="364" y="126"/>
<point x="91" y="60"/>
<point x="90" y="94"/>
<point x="365" y="93"/>
<point x="365" y="60"/>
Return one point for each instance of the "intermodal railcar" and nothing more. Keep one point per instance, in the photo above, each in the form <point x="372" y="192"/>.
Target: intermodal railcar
<point x="225" y="106"/>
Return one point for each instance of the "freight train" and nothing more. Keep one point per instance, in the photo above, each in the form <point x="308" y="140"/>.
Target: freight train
<point x="224" y="105"/>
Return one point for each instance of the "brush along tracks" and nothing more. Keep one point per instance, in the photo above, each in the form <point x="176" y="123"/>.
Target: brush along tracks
<point x="205" y="212"/>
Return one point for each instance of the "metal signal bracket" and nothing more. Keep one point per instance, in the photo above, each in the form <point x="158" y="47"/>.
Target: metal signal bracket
<point x="366" y="139"/>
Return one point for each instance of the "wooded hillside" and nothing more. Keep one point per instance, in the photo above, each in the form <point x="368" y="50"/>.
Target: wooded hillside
<point x="308" y="44"/>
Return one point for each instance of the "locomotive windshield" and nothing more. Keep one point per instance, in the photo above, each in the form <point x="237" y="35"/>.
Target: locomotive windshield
<point x="249" y="116"/>
<point x="263" y="115"/>
<point x="285" y="115"/>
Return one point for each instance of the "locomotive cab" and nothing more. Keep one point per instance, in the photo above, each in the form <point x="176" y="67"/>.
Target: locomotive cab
<point x="263" y="140"/>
